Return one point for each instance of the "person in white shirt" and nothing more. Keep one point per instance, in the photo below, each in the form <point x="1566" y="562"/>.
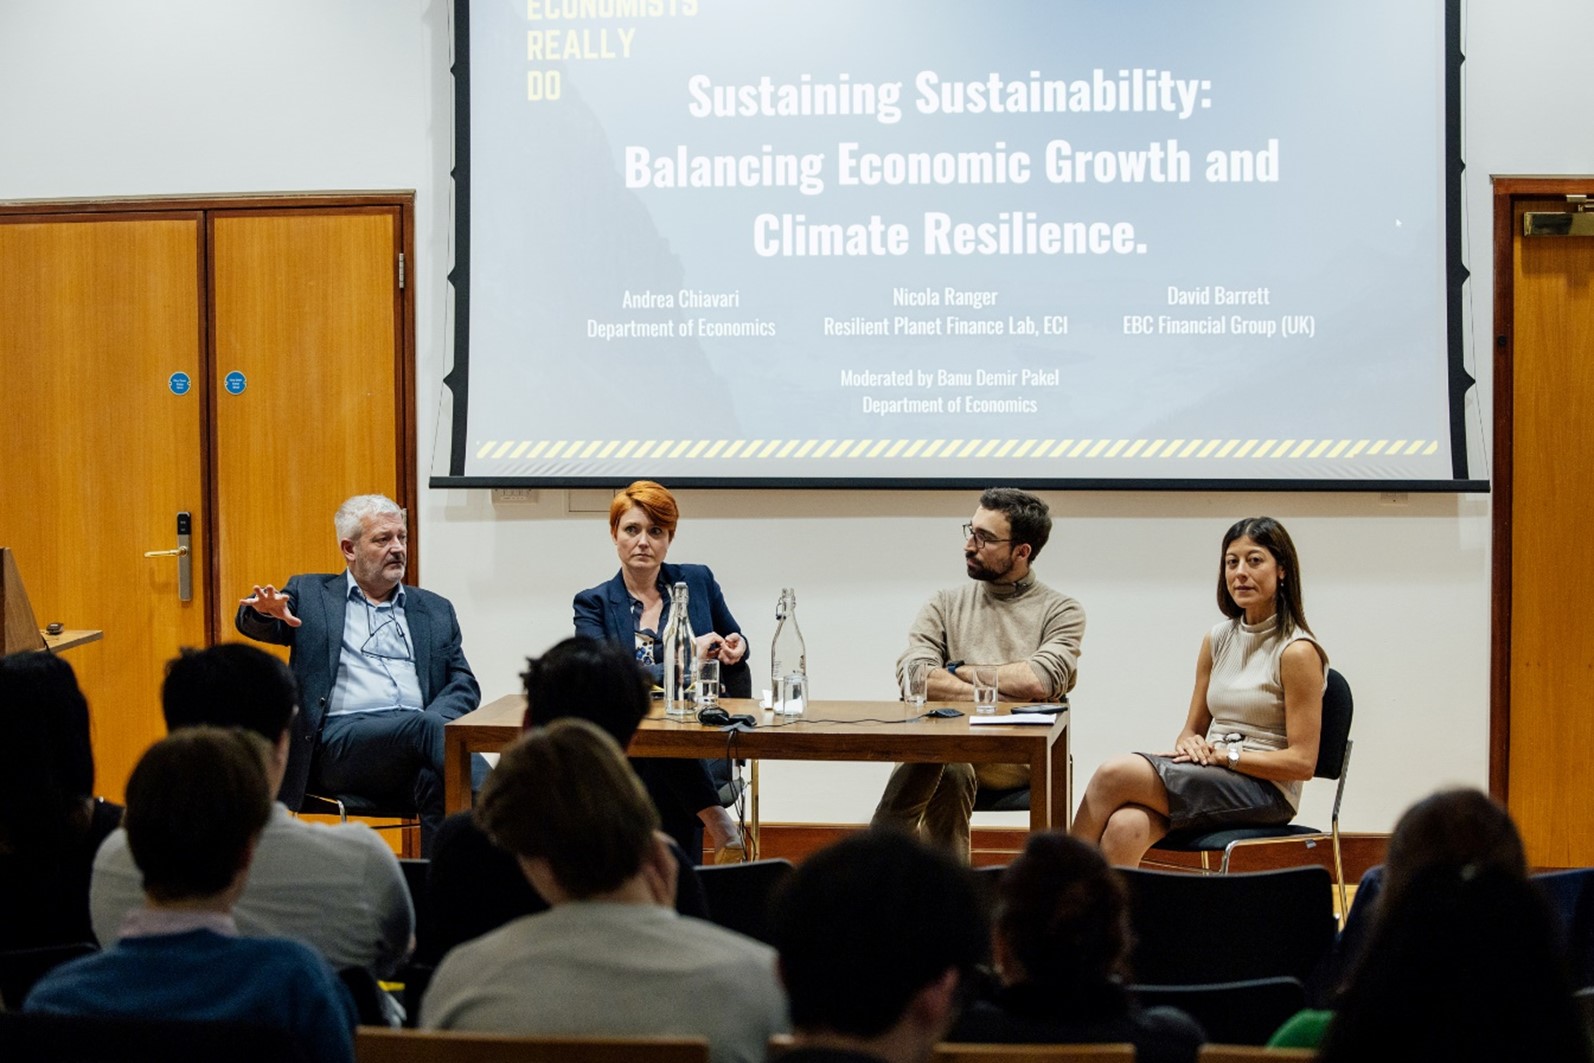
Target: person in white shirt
<point x="338" y="888"/>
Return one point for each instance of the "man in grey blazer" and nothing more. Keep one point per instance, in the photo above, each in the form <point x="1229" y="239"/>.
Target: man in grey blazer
<point x="380" y="669"/>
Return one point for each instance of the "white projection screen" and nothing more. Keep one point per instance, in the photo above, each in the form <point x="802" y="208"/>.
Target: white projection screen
<point x="1061" y="243"/>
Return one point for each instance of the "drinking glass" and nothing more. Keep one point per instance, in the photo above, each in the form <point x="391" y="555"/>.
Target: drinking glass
<point x="984" y="692"/>
<point x="918" y="679"/>
<point x="793" y="693"/>
<point x="708" y="683"/>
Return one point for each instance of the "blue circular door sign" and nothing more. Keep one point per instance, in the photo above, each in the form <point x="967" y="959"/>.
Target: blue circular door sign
<point x="235" y="383"/>
<point x="179" y="383"/>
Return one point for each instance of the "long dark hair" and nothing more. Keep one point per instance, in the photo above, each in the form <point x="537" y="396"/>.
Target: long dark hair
<point x="1269" y="534"/>
<point x="50" y="775"/>
<point x="1063" y="913"/>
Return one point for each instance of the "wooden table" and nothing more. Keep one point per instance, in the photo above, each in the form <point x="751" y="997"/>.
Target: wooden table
<point x="829" y="730"/>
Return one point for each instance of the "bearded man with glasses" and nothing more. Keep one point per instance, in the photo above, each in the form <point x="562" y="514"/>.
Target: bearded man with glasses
<point x="1005" y="625"/>
<point x="380" y="669"/>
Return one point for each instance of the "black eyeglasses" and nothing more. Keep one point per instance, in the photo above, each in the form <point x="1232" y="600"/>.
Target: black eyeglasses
<point x="984" y="538"/>
<point x="388" y="646"/>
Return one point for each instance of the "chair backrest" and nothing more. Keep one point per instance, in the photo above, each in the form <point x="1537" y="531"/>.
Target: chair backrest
<point x="1570" y="897"/>
<point x="20" y="968"/>
<point x="91" y="1039"/>
<point x="1233" y="1013"/>
<point x="738" y="895"/>
<point x="1334" y="739"/>
<point x="1201" y="929"/>
<point x="951" y="1052"/>
<point x="374" y="1044"/>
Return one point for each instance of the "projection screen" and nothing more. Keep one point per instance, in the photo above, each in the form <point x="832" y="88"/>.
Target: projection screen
<point x="1067" y="243"/>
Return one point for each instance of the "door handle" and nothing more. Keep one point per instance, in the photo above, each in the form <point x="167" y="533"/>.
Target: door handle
<point x="183" y="553"/>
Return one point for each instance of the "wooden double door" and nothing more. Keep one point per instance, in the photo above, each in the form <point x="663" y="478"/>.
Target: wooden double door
<point x="245" y="362"/>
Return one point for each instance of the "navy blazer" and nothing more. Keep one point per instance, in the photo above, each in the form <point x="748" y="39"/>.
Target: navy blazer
<point x="604" y="612"/>
<point x="448" y="688"/>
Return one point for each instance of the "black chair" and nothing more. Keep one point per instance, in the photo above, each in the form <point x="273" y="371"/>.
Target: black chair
<point x="1203" y="929"/>
<point x="100" y="1039"/>
<point x="1333" y="762"/>
<point x="738" y="895"/>
<point x="1232" y="1013"/>
<point x="21" y="968"/>
<point x="1570" y="898"/>
<point x="343" y="806"/>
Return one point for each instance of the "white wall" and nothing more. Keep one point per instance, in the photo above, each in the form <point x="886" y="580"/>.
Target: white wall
<point x="143" y="97"/>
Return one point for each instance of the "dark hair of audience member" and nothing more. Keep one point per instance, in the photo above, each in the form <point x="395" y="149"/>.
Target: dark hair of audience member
<point x="195" y="804"/>
<point x="1451" y="829"/>
<point x="565" y="793"/>
<point x="230" y="685"/>
<point x="1463" y="966"/>
<point x="589" y="679"/>
<point x="865" y="924"/>
<point x="48" y="782"/>
<point x="1062" y="915"/>
<point x="1029" y="520"/>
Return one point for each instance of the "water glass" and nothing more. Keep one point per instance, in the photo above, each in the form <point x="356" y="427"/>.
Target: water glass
<point x="793" y="694"/>
<point x="708" y="683"/>
<point x="984" y="692"/>
<point x="917" y="681"/>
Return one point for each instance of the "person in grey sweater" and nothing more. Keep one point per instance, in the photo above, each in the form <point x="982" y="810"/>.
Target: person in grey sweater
<point x="1005" y="625"/>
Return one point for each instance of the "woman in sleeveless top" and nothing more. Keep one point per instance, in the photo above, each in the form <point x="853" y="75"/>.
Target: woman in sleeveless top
<point x="1250" y="738"/>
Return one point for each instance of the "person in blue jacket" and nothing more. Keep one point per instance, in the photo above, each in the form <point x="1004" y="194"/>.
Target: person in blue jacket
<point x="633" y="608"/>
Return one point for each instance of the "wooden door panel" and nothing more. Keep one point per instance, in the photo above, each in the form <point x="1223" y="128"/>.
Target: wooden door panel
<point x="307" y="308"/>
<point x="1552" y="559"/>
<point x="97" y="454"/>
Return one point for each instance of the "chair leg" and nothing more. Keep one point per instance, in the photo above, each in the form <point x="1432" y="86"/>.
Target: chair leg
<point x="1339" y="876"/>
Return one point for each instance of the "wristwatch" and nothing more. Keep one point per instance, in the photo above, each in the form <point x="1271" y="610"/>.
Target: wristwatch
<point x="953" y="666"/>
<point x="1231" y="744"/>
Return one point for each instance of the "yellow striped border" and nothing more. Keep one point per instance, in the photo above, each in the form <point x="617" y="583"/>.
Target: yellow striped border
<point x="1027" y="449"/>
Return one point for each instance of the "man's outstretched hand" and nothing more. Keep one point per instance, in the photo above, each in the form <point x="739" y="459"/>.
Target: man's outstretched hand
<point x="268" y="601"/>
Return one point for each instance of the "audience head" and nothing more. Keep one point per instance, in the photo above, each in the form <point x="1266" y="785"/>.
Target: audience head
<point x="1062" y="917"/>
<point x="876" y="931"/>
<point x="196" y="802"/>
<point x="654" y="499"/>
<point x="1288" y="603"/>
<point x="48" y="781"/>
<point x="1453" y="830"/>
<point x="1463" y="962"/>
<point x="230" y="685"/>
<point x="588" y="679"/>
<point x="1029" y="518"/>
<point x="564" y="795"/>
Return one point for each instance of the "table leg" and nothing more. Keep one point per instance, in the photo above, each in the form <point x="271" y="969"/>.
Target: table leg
<point x="456" y="773"/>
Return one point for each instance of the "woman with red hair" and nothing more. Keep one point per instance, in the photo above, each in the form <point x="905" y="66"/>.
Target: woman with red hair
<point x="633" y="608"/>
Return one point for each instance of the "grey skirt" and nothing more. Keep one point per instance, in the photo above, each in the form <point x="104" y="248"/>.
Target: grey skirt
<point x="1209" y="797"/>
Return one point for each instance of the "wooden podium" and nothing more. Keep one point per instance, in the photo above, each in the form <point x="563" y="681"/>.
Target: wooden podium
<point x="19" y="628"/>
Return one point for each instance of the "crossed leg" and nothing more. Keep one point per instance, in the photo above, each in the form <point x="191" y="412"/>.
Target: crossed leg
<point x="1124" y="811"/>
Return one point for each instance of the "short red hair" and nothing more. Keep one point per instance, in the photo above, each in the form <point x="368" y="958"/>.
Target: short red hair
<point x="655" y="500"/>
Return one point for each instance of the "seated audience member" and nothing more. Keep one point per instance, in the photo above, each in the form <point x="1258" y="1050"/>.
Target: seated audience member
<point x="1061" y="945"/>
<point x="50" y="822"/>
<point x="878" y="937"/>
<point x="611" y="957"/>
<point x="476" y="886"/>
<point x="1462" y="961"/>
<point x="336" y="888"/>
<point x="196" y="804"/>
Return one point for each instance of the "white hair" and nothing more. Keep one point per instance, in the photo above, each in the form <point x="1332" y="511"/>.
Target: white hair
<point x="350" y="518"/>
